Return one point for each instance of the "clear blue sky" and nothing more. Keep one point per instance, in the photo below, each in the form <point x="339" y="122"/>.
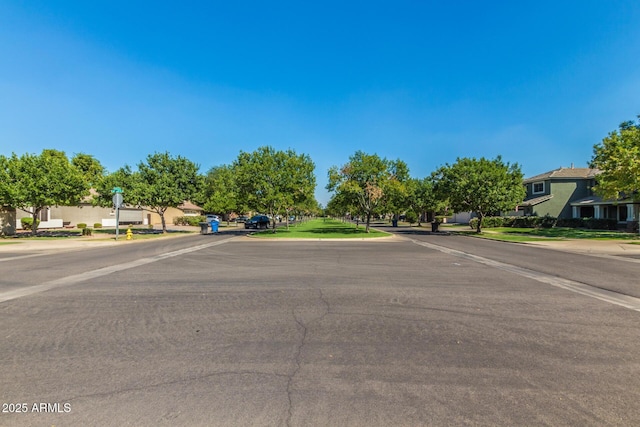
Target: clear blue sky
<point x="538" y="82"/>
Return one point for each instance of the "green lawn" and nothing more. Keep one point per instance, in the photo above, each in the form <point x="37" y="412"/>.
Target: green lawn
<point x="97" y="234"/>
<point x="557" y="233"/>
<point x="321" y="229"/>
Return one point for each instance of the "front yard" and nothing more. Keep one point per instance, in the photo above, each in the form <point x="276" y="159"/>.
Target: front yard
<point x="536" y="234"/>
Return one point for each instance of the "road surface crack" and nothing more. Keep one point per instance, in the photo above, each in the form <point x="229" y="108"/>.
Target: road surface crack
<point x="298" y="353"/>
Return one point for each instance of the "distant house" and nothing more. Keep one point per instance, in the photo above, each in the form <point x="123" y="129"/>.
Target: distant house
<point x="86" y="213"/>
<point x="552" y="193"/>
<point x="568" y="193"/>
<point x="185" y="209"/>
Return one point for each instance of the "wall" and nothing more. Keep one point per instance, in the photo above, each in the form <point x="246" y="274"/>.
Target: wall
<point x="86" y="214"/>
<point x="7" y="221"/>
<point x="564" y="192"/>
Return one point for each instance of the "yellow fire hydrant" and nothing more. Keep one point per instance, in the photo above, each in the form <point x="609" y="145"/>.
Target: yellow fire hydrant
<point x="129" y="234"/>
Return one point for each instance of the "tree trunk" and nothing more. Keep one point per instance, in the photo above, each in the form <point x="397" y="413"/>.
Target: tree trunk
<point x="479" y="226"/>
<point x="164" y="223"/>
<point x="368" y="221"/>
<point x="34" y="225"/>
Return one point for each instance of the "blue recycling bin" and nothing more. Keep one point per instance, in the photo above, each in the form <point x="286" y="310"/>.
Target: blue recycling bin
<point x="214" y="226"/>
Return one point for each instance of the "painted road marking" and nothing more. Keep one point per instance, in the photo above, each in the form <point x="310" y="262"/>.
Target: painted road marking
<point x="77" y="278"/>
<point x="611" y="297"/>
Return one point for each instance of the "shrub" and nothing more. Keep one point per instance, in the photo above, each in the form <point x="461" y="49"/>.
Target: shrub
<point x="570" y="222"/>
<point x="515" y="221"/>
<point x="81" y="225"/>
<point x="97" y="225"/>
<point x="188" y="220"/>
<point x="548" y="221"/>
<point x="26" y="223"/>
<point x="411" y="217"/>
<point x="85" y="231"/>
<point x="600" y="224"/>
<point x="488" y="222"/>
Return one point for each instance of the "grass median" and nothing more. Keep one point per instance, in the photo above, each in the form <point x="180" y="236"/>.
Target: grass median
<point x="321" y="229"/>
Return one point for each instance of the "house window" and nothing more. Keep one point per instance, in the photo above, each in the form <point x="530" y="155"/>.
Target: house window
<point x="538" y="187"/>
<point x="587" y="212"/>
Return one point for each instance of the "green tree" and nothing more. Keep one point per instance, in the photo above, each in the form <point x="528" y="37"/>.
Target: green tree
<point x="362" y="182"/>
<point x="33" y="182"/>
<point x="618" y="157"/>
<point x="90" y="167"/>
<point x="219" y="192"/>
<point x="423" y="198"/>
<point x="482" y="186"/>
<point x="122" y="178"/>
<point x="274" y="182"/>
<point x="396" y="188"/>
<point x="339" y="206"/>
<point x="163" y="181"/>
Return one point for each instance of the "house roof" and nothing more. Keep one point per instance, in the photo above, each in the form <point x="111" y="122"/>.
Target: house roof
<point x="597" y="200"/>
<point x="536" y="200"/>
<point x="188" y="205"/>
<point x="591" y="200"/>
<point x="565" y="173"/>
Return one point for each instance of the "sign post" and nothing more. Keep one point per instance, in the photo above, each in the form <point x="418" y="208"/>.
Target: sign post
<point x="117" y="202"/>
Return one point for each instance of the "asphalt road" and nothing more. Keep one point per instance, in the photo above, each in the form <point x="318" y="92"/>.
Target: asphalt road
<point x="420" y="330"/>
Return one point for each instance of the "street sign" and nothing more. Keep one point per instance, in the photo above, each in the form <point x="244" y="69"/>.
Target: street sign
<point x="117" y="200"/>
<point x="116" y="190"/>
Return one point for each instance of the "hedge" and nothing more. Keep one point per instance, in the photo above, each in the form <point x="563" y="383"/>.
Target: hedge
<point x="545" y="222"/>
<point x="27" y="222"/>
<point x="188" y="220"/>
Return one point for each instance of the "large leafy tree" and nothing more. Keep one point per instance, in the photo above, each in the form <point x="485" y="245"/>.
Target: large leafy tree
<point x="33" y="182"/>
<point x="396" y="188"/>
<point x="219" y="192"/>
<point x="90" y="167"/>
<point x="362" y="182"/>
<point x="481" y="185"/>
<point x="163" y="181"/>
<point x="273" y="181"/>
<point x="422" y="197"/>
<point x="618" y="157"/>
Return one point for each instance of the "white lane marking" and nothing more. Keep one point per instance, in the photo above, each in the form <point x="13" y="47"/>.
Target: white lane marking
<point x="77" y="278"/>
<point x="626" y="301"/>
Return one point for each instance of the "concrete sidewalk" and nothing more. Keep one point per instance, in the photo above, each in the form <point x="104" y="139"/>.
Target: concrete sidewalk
<point x="593" y="247"/>
<point x="85" y="242"/>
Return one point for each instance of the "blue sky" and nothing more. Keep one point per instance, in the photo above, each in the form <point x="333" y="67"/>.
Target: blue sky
<point x="538" y="82"/>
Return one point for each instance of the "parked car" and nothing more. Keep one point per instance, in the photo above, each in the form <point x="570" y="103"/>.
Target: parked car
<point x="242" y="218"/>
<point x="210" y="218"/>
<point x="257" y="221"/>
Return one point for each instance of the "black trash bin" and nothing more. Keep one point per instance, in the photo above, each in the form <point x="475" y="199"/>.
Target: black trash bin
<point x="394" y="222"/>
<point x="204" y="228"/>
<point x="434" y="226"/>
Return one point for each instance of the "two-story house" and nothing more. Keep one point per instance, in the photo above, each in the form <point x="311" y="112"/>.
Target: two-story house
<point x="552" y="193"/>
<point x="568" y="193"/>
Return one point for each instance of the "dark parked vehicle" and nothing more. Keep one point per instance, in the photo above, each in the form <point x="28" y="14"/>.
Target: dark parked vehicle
<point x="257" y="221"/>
